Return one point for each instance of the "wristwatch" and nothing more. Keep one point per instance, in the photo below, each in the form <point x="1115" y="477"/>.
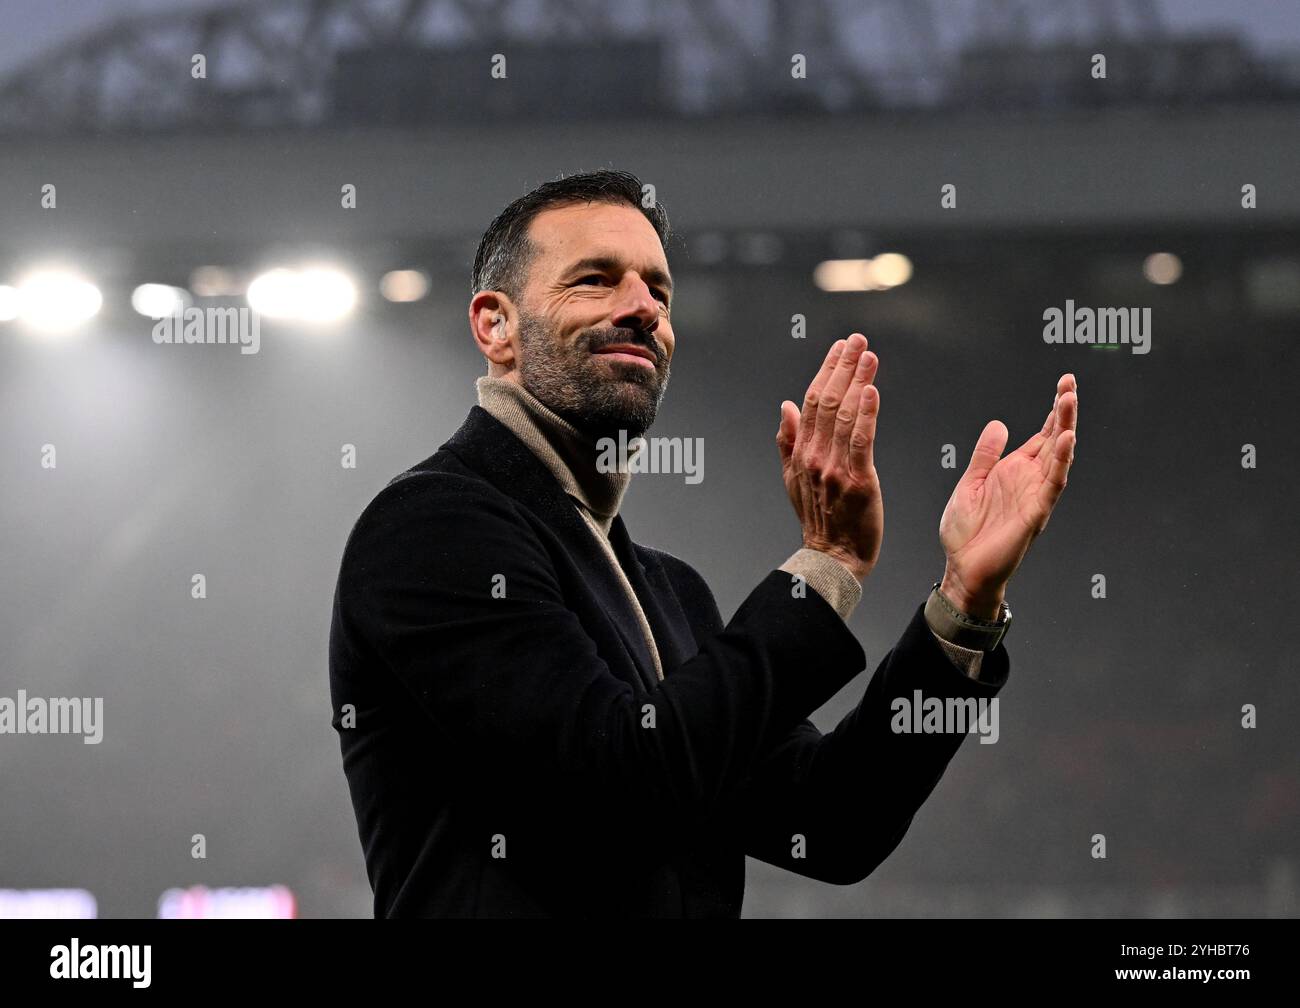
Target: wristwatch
<point x="955" y="626"/>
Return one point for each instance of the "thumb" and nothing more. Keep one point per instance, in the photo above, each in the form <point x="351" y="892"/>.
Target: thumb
<point x="988" y="449"/>
<point x="786" y="432"/>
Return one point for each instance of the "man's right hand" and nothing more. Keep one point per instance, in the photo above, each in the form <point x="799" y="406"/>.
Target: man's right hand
<point x="827" y="460"/>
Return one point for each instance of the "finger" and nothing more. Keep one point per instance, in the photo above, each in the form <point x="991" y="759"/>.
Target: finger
<point x="813" y="396"/>
<point x="1065" y="418"/>
<point x="847" y="415"/>
<point x="1067" y="410"/>
<point x="1053" y="425"/>
<point x="787" y="431"/>
<point x="832" y="396"/>
<point x="1062" y="457"/>
<point x="1046" y="432"/>
<point x="1065" y="385"/>
<point x="862" y="441"/>
<point x="988" y="449"/>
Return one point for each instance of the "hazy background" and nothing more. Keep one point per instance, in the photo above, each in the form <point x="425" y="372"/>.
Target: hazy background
<point x="1122" y="716"/>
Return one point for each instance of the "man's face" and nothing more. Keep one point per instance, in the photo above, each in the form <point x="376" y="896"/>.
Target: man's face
<point x="595" y="338"/>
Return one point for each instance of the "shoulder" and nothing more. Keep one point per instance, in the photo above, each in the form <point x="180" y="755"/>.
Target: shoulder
<point x="430" y="501"/>
<point x="441" y="489"/>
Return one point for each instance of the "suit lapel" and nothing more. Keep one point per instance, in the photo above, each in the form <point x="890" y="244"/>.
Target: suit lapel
<point x="491" y="449"/>
<point x="669" y="625"/>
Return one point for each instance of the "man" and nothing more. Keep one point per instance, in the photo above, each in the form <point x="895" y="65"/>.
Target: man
<point x="540" y="717"/>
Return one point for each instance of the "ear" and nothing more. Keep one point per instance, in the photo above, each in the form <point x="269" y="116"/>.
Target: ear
<point x="492" y="321"/>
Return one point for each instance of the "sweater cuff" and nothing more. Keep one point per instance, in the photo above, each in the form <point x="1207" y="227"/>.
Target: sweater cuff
<point x="966" y="659"/>
<point x="828" y="577"/>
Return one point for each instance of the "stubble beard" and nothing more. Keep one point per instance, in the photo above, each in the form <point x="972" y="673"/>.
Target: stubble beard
<point x="598" y="396"/>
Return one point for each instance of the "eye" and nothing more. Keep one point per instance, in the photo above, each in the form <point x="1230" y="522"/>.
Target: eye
<point x="597" y="280"/>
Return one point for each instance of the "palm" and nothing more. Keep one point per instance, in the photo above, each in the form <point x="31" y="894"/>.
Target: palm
<point x="1000" y="504"/>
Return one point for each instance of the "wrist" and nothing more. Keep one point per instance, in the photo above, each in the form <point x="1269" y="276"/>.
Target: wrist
<point x="851" y="562"/>
<point x="963" y="629"/>
<point x="984" y="603"/>
<point x="828" y="577"/>
<point x="854" y="566"/>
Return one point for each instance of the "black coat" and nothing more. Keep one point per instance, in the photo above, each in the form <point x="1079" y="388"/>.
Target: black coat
<point x="521" y="725"/>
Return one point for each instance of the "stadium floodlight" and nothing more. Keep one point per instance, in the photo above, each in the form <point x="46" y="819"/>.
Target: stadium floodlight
<point x="891" y="269"/>
<point x="57" y="300"/>
<point x="276" y="902"/>
<point x="158" y="300"/>
<point x="9" y="304"/>
<point x="47" y="904"/>
<point x="842" y="275"/>
<point x="310" y="294"/>
<point x="404" y="285"/>
<point x="215" y="281"/>
<point x="1162" y="268"/>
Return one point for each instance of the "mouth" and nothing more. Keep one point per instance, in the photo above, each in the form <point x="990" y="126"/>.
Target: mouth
<point x="629" y="353"/>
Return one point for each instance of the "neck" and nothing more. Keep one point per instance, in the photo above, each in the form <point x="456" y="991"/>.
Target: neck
<point x="570" y="454"/>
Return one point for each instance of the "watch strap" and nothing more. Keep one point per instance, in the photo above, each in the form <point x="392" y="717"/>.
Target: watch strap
<point x="961" y="629"/>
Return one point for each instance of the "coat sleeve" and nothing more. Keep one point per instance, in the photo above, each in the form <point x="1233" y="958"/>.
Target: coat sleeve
<point x="448" y="587"/>
<point x="852" y="793"/>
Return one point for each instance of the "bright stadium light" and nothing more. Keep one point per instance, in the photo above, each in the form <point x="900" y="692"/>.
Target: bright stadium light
<point x="312" y="294"/>
<point x="215" y="281"/>
<point x="57" y="300"/>
<point x="47" y="904"/>
<point x="1162" y="268"/>
<point x="157" y="300"/>
<point x="842" y="274"/>
<point x="9" y="303"/>
<point x="891" y="269"/>
<point x="276" y="902"/>
<point x="404" y="285"/>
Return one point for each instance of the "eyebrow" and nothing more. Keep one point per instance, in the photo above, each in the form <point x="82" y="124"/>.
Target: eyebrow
<point x="609" y="264"/>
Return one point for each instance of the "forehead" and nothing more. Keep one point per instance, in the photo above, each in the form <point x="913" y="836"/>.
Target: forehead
<point x="580" y="230"/>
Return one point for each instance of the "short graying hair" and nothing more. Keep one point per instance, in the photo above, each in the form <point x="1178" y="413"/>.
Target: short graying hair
<point x="505" y="253"/>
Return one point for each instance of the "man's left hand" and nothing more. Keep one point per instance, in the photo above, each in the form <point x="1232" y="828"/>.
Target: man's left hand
<point x="1001" y="504"/>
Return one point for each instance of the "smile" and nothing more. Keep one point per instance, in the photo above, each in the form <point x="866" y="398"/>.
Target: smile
<point x="629" y="354"/>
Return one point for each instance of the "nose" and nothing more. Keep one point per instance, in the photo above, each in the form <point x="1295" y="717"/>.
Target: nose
<point x="637" y="307"/>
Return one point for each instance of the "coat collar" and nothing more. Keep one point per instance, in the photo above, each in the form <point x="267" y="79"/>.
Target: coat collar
<point x="488" y="447"/>
<point x="570" y="455"/>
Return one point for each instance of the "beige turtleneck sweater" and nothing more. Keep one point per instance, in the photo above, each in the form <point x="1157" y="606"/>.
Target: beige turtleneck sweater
<point x="571" y="458"/>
